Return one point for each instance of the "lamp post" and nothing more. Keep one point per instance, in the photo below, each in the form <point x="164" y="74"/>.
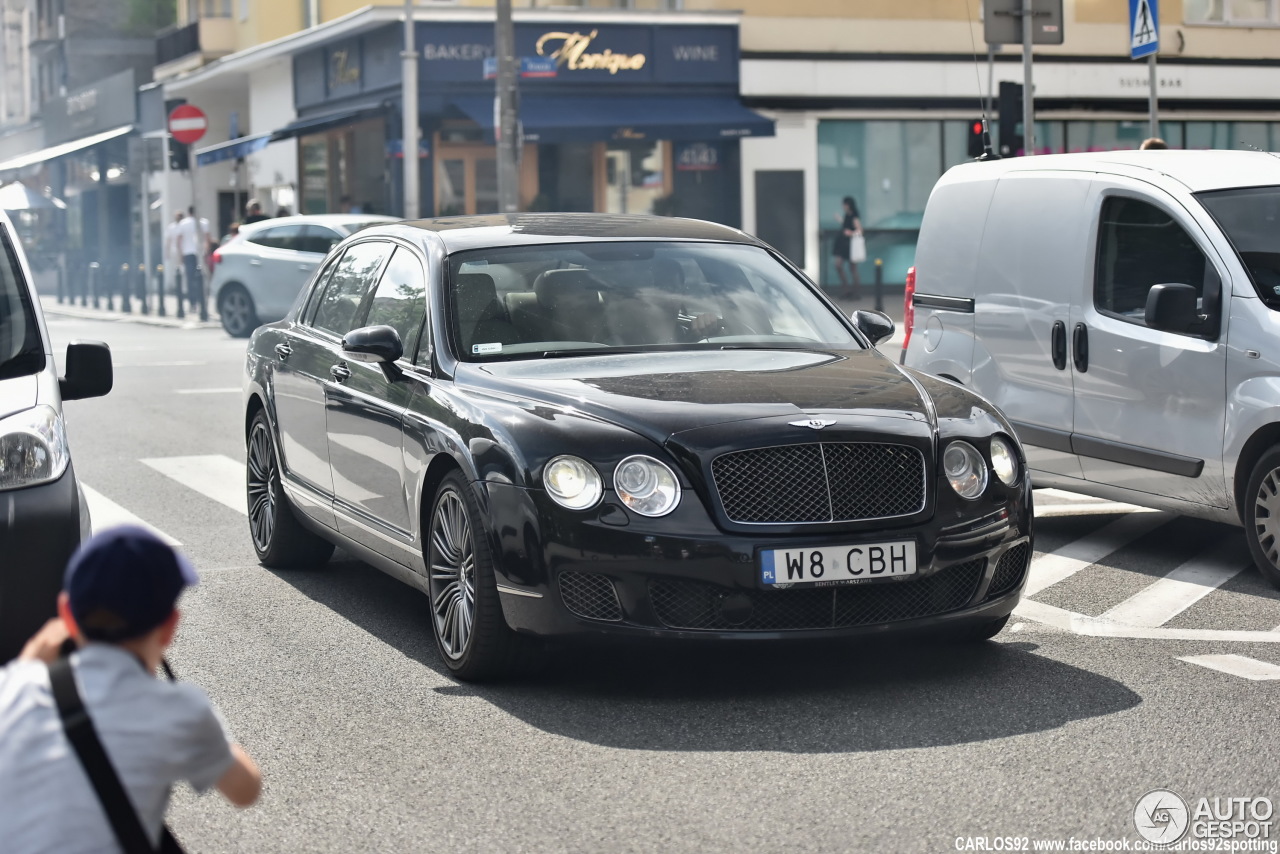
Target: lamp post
<point x="409" y="116"/>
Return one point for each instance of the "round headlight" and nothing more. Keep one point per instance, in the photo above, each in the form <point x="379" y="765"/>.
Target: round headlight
<point x="33" y="448"/>
<point x="1004" y="461"/>
<point x="572" y="482"/>
<point x="965" y="469"/>
<point x="646" y="486"/>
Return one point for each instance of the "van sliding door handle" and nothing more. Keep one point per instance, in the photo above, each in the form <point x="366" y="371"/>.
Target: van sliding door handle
<point x="1058" y="345"/>
<point x="1080" y="347"/>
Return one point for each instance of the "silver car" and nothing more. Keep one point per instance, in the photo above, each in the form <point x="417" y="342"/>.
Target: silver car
<point x="257" y="274"/>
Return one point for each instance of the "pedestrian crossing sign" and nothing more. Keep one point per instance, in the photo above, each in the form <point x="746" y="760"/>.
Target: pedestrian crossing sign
<point x="1144" y="28"/>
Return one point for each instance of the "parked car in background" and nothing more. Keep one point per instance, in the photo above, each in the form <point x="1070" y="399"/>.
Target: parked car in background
<point x="642" y="427"/>
<point x="43" y="515"/>
<point x="258" y="273"/>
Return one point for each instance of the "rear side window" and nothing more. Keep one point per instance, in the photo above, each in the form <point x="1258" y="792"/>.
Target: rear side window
<point x="279" y="237"/>
<point x="354" y="276"/>
<point x="400" y="301"/>
<point x="1139" y="245"/>
<point x="21" y="352"/>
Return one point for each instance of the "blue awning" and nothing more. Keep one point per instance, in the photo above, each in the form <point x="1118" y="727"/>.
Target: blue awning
<point x="328" y="121"/>
<point x="232" y="149"/>
<point x="561" y="118"/>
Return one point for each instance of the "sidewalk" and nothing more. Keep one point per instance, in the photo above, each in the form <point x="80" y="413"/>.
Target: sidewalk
<point x="52" y="307"/>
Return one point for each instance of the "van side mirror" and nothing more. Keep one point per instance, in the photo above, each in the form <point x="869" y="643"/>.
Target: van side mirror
<point x="372" y="344"/>
<point x="876" y="325"/>
<point x="89" y="372"/>
<point x="1171" y="307"/>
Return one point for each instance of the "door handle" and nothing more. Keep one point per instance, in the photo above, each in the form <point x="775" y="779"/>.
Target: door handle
<point x="254" y="262"/>
<point x="1058" y="344"/>
<point x="307" y="267"/>
<point x="340" y="372"/>
<point x="284" y="351"/>
<point x="1080" y="347"/>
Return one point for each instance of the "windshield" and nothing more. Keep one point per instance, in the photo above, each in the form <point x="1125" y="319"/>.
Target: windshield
<point x="575" y="299"/>
<point x="1251" y="219"/>
<point x="20" y="350"/>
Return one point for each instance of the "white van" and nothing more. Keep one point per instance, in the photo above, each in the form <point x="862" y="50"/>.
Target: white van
<point x="1123" y="310"/>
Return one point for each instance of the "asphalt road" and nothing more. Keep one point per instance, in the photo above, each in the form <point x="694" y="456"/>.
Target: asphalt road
<point x="329" y="678"/>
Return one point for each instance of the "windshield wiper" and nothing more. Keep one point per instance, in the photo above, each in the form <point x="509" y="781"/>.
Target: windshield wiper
<point x="617" y="351"/>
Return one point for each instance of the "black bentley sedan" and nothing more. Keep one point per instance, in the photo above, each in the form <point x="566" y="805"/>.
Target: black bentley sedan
<point x="585" y="424"/>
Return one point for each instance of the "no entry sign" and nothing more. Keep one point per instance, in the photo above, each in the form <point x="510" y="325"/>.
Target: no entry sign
<point x="187" y="123"/>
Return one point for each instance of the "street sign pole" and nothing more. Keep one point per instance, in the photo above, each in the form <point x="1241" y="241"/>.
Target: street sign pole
<point x="1144" y="40"/>
<point x="187" y="124"/>
<point x="506" y="110"/>
<point x="1028" y="88"/>
<point x="1153" y="121"/>
<point x="409" y="118"/>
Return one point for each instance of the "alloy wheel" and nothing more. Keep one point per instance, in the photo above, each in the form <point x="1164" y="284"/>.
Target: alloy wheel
<point x="235" y="311"/>
<point x="1266" y="516"/>
<point x="261" y="476"/>
<point x="453" y="575"/>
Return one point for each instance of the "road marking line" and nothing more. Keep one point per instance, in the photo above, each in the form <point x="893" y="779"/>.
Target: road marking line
<point x="213" y="476"/>
<point x="1046" y="511"/>
<point x="1086" y="626"/>
<point x="207" y="391"/>
<point x="1160" y="602"/>
<point x="1048" y="570"/>
<point x="1236" y="665"/>
<point x="105" y="513"/>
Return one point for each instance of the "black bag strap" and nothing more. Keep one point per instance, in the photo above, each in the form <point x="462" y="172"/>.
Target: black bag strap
<point x="97" y="765"/>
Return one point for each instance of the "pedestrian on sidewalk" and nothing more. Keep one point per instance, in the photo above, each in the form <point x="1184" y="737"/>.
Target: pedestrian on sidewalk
<point x="850" y="229"/>
<point x="193" y="240"/>
<point x="118" y="607"/>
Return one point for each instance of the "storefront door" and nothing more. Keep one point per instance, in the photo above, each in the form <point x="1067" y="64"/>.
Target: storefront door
<point x="466" y="180"/>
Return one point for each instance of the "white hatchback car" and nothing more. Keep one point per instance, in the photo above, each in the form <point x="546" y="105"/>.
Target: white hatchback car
<point x="257" y="275"/>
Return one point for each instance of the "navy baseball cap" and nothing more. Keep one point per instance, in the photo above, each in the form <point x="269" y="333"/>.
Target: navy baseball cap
<point x="125" y="581"/>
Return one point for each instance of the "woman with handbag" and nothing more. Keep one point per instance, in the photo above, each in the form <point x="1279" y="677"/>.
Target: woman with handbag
<point x="850" y="249"/>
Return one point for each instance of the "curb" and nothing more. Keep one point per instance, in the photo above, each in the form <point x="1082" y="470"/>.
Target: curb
<point x="52" y="307"/>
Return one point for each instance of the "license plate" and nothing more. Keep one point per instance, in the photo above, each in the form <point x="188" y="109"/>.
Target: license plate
<point x="830" y="565"/>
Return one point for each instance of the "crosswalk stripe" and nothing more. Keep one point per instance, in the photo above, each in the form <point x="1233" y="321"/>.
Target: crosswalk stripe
<point x="105" y="513"/>
<point x="1048" y="570"/>
<point x="228" y="390"/>
<point x="1160" y="602"/>
<point x="1236" y="665"/>
<point x="1045" y="511"/>
<point x="212" y="475"/>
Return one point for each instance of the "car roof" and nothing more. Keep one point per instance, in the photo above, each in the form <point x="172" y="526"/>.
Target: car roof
<point x="1198" y="171"/>
<point x="473" y="232"/>
<point x="317" y="219"/>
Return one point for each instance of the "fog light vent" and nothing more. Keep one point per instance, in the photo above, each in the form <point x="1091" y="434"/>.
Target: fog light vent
<point x="1009" y="572"/>
<point x="590" y="596"/>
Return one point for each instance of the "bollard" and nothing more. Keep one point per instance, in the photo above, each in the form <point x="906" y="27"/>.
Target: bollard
<point x="879" y="284"/>
<point x="94" y="269"/>
<point x="126" y="304"/>
<point x="160" y="309"/>
<point x="180" y="292"/>
<point x="61" y="284"/>
<point x="142" y="289"/>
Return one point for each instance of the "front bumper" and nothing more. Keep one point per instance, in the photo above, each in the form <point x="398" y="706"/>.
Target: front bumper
<point x="608" y="573"/>
<point x="39" y="531"/>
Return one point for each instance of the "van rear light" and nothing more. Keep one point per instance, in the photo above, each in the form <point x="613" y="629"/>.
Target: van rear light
<point x="908" y="307"/>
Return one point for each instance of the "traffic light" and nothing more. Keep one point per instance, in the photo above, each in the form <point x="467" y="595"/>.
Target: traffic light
<point x="1011" y="143"/>
<point x="179" y="155"/>
<point x="977" y="138"/>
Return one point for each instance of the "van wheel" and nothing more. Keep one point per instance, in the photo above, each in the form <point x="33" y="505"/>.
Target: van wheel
<point x="235" y="308"/>
<point x="1261" y="515"/>
<point x="278" y="538"/>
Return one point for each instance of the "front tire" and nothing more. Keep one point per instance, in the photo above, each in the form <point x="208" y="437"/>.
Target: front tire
<point x="471" y="634"/>
<point x="1261" y="515"/>
<point x="237" y="312"/>
<point x="278" y="538"/>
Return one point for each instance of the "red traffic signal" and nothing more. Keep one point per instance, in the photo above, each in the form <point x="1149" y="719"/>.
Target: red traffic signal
<point x="977" y="139"/>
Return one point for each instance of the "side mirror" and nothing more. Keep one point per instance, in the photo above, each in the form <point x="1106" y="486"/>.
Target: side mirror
<point x="1171" y="307"/>
<point x="372" y="344"/>
<point x="876" y="325"/>
<point x="89" y="372"/>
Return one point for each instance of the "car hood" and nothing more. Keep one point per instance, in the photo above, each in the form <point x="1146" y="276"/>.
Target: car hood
<point x="18" y="393"/>
<point x="661" y="394"/>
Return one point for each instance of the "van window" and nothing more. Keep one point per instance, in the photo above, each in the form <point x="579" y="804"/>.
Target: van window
<point x="1139" y="245"/>
<point x="1251" y="220"/>
<point x="21" y="351"/>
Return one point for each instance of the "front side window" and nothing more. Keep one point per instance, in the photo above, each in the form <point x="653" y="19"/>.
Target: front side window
<point x="279" y="237"/>
<point x="1139" y="245"/>
<point x="318" y="239"/>
<point x="400" y="300"/>
<point x="523" y="302"/>
<point x="1251" y="220"/>
<point x="21" y="352"/>
<point x="354" y="275"/>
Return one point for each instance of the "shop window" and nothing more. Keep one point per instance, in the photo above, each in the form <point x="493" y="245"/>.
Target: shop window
<point x="1240" y="12"/>
<point x="636" y="177"/>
